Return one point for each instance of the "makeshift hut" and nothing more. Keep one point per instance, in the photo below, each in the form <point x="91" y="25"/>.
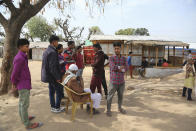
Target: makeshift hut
<point x="37" y="49"/>
<point x="148" y="48"/>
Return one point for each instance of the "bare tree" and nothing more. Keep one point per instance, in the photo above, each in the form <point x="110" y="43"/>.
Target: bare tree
<point x="12" y="26"/>
<point x="94" y="30"/>
<point x="27" y="35"/>
<point x="13" y="21"/>
<point x="69" y="34"/>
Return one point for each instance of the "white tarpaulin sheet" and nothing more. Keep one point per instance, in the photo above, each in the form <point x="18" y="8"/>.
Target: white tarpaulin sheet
<point x="161" y="72"/>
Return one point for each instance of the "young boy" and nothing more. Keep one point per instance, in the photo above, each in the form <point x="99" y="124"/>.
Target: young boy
<point x="69" y="54"/>
<point x="21" y="80"/>
<point x="118" y="67"/>
<point x="51" y="74"/>
<point x="62" y="64"/>
<point x="79" y="61"/>
<point x="98" y="69"/>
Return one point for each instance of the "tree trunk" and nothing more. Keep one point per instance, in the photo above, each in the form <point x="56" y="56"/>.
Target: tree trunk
<point x="12" y="26"/>
<point x="10" y="50"/>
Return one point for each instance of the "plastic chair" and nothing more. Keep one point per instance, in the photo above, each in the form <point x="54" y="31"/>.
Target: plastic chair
<point x="74" y="103"/>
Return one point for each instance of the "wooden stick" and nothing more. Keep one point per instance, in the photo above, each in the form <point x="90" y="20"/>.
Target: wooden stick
<point x="148" y="55"/>
<point x="157" y="51"/>
<point x="127" y="50"/>
<point x="174" y="55"/>
<point x="168" y="54"/>
<point x="183" y="54"/>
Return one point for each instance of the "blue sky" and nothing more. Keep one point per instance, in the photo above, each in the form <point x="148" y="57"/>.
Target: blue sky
<point x="175" y="19"/>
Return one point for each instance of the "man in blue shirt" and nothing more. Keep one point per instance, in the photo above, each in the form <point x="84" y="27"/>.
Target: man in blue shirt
<point x="130" y="64"/>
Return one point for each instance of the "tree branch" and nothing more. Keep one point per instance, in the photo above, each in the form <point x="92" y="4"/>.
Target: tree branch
<point x="38" y="6"/>
<point x="10" y="5"/>
<point x="2" y="34"/>
<point x="3" y="20"/>
<point x="25" y="2"/>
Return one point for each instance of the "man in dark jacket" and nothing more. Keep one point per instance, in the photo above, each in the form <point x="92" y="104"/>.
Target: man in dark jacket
<point x="51" y="74"/>
<point x="98" y="69"/>
<point x="104" y="84"/>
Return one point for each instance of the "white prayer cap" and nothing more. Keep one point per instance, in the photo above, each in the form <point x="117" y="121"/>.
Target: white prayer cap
<point x="73" y="67"/>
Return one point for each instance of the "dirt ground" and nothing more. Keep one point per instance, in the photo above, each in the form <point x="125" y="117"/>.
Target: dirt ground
<point x="151" y="104"/>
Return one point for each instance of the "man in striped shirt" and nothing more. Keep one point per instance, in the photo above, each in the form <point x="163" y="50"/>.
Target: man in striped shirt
<point x="118" y="67"/>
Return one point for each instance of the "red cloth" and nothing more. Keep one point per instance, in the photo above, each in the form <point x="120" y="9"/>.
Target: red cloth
<point x="68" y="55"/>
<point x="79" y="60"/>
<point x="165" y="64"/>
<point x="98" y="65"/>
<point x="96" y="83"/>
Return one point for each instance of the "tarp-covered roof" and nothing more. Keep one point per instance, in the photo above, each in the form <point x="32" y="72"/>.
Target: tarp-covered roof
<point x="44" y="44"/>
<point x="144" y="40"/>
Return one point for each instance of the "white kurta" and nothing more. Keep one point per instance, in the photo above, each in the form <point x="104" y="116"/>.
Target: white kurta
<point x="96" y="97"/>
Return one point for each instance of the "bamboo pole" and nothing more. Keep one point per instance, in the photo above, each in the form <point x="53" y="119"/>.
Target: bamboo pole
<point x="123" y="48"/>
<point x="127" y="50"/>
<point x="174" y="55"/>
<point x="157" y="51"/>
<point x="108" y="49"/>
<point x="142" y="52"/>
<point x="148" y="55"/>
<point x="183" y="54"/>
<point x="164" y="52"/>
<point x="168" y="54"/>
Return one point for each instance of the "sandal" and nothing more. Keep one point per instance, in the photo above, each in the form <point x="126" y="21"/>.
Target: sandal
<point x="34" y="125"/>
<point x="109" y="113"/>
<point x="122" y="111"/>
<point x="31" y="117"/>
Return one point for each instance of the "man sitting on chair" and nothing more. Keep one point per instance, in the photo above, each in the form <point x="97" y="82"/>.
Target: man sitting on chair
<point x="76" y="84"/>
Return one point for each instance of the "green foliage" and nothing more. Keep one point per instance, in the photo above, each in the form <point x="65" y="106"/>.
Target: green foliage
<point x="95" y="30"/>
<point x="128" y="31"/>
<point x="142" y="31"/>
<point x="39" y="28"/>
<point x="132" y="31"/>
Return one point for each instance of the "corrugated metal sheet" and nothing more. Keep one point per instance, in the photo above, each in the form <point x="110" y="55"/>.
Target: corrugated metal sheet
<point x="44" y="44"/>
<point x="145" y="40"/>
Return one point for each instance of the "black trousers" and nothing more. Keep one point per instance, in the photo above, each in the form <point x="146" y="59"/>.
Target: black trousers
<point x="189" y="92"/>
<point x="55" y="88"/>
<point x="104" y="84"/>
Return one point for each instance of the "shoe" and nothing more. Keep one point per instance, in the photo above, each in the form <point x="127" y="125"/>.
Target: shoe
<point x="189" y="99"/>
<point x="58" y="110"/>
<point x="109" y="113"/>
<point x="52" y="109"/>
<point x="95" y="112"/>
<point x="62" y="108"/>
<point x="122" y="111"/>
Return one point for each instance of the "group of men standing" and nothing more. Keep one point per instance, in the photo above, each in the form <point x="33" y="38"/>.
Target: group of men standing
<point x="66" y="69"/>
<point x="73" y="68"/>
<point x="52" y="74"/>
<point x="54" y="66"/>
